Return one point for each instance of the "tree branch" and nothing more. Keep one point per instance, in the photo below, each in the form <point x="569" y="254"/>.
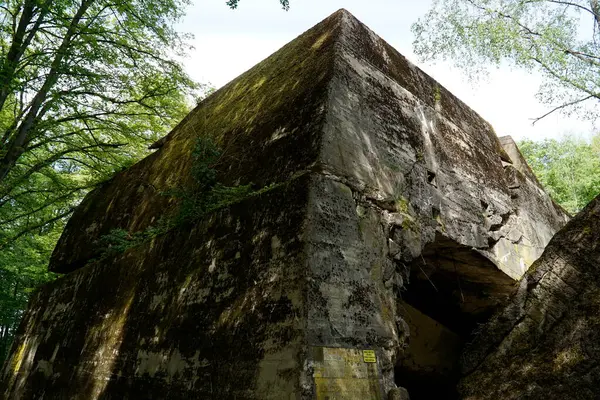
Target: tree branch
<point x="596" y="11"/>
<point x="562" y="106"/>
<point x="55" y="157"/>
<point x="45" y="205"/>
<point x="568" y="3"/>
<point x="32" y="228"/>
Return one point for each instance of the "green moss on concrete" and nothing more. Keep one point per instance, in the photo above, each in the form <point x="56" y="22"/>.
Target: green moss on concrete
<point x="197" y="312"/>
<point x="267" y="123"/>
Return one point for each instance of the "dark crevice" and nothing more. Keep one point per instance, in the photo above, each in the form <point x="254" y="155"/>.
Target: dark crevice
<point x="484" y="205"/>
<point x="431" y="178"/>
<point x="425" y="386"/>
<point x="492" y="241"/>
<point x="452" y="290"/>
<point x="456" y="285"/>
<point x="495" y="227"/>
<point x="498" y="226"/>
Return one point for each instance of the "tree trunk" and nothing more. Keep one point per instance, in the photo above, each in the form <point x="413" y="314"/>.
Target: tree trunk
<point x="15" y="52"/>
<point x="17" y="143"/>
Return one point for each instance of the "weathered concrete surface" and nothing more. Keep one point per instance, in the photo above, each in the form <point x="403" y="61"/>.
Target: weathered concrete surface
<point x="222" y="319"/>
<point x="402" y="139"/>
<point x="535" y="220"/>
<point x="390" y="186"/>
<point x="546" y="343"/>
<point x="267" y="121"/>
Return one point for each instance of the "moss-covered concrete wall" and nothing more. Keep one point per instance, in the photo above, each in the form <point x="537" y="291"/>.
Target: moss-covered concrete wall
<point x="211" y="310"/>
<point x="267" y="123"/>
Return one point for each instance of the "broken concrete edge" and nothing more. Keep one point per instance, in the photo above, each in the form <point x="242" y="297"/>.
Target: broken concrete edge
<point x="547" y="295"/>
<point x="518" y="160"/>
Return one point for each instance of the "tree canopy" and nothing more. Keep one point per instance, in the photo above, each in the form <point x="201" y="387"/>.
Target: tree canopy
<point x="569" y="168"/>
<point x="560" y="39"/>
<point x="85" y="86"/>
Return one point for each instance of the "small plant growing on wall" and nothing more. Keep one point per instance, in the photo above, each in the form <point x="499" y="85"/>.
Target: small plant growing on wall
<point x="203" y="195"/>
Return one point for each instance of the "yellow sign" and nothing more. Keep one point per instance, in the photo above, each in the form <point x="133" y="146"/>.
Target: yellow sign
<point x="342" y="373"/>
<point x="369" y="356"/>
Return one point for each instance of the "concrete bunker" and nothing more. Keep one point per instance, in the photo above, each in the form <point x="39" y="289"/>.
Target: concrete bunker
<point x="451" y="290"/>
<point x="240" y="294"/>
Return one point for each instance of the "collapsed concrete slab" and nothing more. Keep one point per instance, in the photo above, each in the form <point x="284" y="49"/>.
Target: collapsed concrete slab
<point x="379" y="188"/>
<point x="545" y="343"/>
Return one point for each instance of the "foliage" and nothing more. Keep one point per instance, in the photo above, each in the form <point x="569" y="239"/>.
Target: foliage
<point x="234" y="4"/>
<point x="560" y="39"/>
<point x="86" y="85"/>
<point x="568" y="168"/>
<point x="203" y="195"/>
<point x="119" y="240"/>
<point x="206" y="194"/>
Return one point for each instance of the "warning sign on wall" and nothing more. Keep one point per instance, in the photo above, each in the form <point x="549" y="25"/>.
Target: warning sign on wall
<point x="369" y="356"/>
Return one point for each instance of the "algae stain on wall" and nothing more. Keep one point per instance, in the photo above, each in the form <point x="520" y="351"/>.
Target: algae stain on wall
<point x="319" y="42"/>
<point x="110" y="335"/>
<point x="21" y="362"/>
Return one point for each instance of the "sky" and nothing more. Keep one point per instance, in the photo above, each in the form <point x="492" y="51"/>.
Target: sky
<point x="228" y="42"/>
